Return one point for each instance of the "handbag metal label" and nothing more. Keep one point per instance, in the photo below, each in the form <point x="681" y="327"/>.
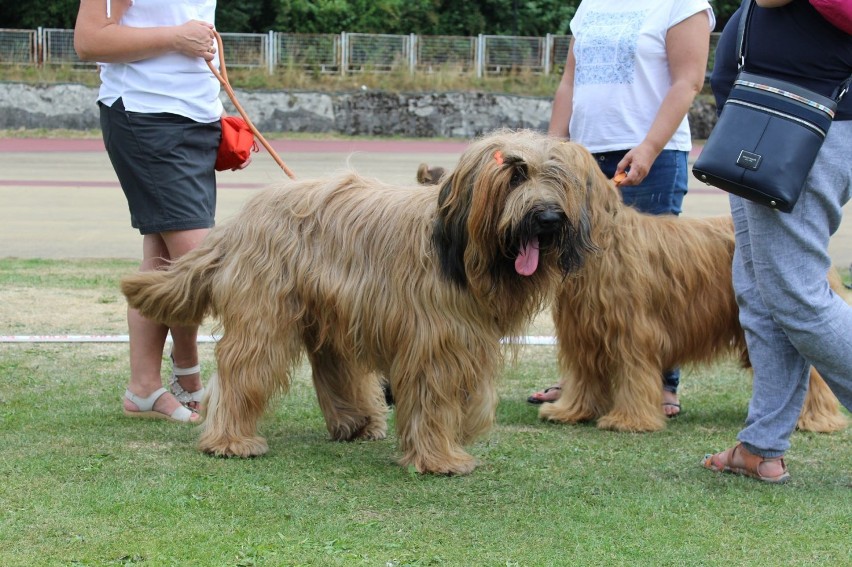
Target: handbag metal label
<point x="749" y="160"/>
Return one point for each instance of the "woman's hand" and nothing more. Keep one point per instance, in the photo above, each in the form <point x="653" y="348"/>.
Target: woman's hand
<point x="196" y="39"/>
<point x="637" y="163"/>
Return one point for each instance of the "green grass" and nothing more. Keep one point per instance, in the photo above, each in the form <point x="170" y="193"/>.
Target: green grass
<point x="521" y="83"/>
<point x="83" y="485"/>
<point x="101" y="275"/>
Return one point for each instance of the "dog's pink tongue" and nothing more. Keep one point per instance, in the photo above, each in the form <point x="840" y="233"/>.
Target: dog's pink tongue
<point x="527" y="260"/>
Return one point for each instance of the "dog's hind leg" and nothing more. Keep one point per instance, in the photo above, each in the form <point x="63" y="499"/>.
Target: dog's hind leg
<point x="253" y="364"/>
<point x="351" y="399"/>
<point x="821" y="412"/>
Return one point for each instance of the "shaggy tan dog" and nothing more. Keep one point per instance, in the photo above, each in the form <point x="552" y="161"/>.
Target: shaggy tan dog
<point x="415" y="284"/>
<point x="658" y="295"/>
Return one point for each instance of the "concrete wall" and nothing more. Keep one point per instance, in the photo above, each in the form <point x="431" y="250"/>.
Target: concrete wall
<point x="366" y="113"/>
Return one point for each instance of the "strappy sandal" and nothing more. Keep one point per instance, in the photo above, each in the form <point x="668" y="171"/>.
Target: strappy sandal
<point x="146" y="408"/>
<point x="672" y="405"/>
<point x="537" y="397"/>
<point x="721" y="462"/>
<point x="182" y="395"/>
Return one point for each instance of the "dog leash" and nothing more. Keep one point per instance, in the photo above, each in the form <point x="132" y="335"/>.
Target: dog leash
<point x="222" y="75"/>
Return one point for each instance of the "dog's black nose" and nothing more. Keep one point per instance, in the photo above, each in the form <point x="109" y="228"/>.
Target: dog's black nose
<point x="549" y="221"/>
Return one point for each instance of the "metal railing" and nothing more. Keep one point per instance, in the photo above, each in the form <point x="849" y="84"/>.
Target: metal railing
<point x="342" y="53"/>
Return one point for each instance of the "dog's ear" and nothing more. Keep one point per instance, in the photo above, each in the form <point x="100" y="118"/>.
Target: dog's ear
<point x="583" y="177"/>
<point x="423" y="177"/>
<point x="449" y="233"/>
<point x="577" y="243"/>
<point x="436" y="173"/>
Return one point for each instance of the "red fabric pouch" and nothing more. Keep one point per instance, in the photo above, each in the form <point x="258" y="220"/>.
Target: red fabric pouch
<point x="236" y="145"/>
<point x="838" y="12"/>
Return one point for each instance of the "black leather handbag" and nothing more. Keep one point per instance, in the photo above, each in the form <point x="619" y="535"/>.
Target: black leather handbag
<point x="767" y="137"/>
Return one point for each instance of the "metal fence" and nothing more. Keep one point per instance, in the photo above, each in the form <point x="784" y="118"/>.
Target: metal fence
<point x="342" y="53"/>
<point x="19" y="47"/>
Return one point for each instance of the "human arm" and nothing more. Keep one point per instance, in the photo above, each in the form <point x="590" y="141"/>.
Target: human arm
<point x="563" y="100"/>
<point x="687" y="49"/>
<point x="99" y="38"/>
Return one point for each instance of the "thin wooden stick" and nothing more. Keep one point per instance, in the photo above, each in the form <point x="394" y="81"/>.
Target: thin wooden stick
<point x="222" y="75"/>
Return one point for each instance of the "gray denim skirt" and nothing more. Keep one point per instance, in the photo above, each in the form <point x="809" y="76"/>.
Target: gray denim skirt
<point x="165" y="164"/>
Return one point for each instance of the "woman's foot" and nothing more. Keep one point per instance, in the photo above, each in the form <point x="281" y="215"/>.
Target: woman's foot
<point x="671" y="404"/>
<point x="550" y="394"/>
<point x="739" y="460"/>
<point x="159" y="404"/>
<point x="185" y="384"/>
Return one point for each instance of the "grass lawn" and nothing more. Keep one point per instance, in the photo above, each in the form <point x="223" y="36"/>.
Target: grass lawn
<point x="84" y="485"/>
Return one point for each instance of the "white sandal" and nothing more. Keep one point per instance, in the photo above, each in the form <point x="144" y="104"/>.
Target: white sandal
<point x="146" y="408"/>
<point x="182" y="395"/>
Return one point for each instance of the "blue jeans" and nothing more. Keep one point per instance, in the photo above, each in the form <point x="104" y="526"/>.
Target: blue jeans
<point x="791" y="319"/>
<point x="663" y="189"/>
<point x="660" y="193"/>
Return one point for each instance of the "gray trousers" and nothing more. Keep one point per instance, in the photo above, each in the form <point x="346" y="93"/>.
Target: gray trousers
<point x="791" y="318"/>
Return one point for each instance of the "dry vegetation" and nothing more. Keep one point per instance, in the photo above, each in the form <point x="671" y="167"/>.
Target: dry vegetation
<point x="443" y="80"/>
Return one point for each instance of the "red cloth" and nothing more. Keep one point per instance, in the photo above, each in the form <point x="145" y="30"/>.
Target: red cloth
<point x="236" y="145"/>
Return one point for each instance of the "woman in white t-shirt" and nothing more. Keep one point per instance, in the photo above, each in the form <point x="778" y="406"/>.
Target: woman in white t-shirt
<point x="633" y="70"/>
<point x="160" y="118"/>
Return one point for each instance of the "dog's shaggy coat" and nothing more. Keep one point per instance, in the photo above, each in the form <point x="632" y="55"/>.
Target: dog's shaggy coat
<point x="415" y="284"/>
<point x="657" y="295"/>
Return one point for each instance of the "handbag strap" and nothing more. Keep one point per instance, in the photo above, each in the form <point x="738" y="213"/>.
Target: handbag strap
<point x="745" y="14"/>
<point x="746" y="11"/>
<point x="222" y="75"/>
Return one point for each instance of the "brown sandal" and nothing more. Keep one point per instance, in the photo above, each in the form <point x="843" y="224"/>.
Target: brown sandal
<point x="545" y="395"/>
<point x="721" y="462"/>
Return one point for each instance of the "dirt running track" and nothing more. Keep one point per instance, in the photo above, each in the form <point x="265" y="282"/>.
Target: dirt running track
<point x="59" y="198"/>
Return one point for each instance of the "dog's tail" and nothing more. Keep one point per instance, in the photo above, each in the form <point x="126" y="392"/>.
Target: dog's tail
<point x="178" y="295"/>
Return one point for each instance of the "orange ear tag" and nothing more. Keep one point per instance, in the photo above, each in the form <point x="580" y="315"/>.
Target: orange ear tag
<point x="498" y="157"/>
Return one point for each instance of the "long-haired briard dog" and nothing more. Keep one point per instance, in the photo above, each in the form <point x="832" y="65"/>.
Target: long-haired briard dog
<point x="416" y="285"/>
<point x="657" y="295"/>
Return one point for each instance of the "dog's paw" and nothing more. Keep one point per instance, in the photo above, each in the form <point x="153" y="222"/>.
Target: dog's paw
<point x="630" y="423"/>
<point x="247" y="447"/>
<point x="820" y="423"/>
<point x="460" y="463"/>
<point x="374" y="430"/>
<point x="364" y="428"/>
<point x="555" y="412"/>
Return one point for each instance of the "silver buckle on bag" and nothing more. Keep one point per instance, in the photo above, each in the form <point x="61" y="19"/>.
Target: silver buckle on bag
<point x="749" y="160"/>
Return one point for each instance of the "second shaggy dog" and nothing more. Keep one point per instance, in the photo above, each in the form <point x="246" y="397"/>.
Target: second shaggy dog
<point x="657" y="295"/>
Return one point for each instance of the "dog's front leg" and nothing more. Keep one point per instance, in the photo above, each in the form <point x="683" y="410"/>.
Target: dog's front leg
<point x="585" y="396"/>
<point x="430" y="423"/>
<point x="637" y="396"/>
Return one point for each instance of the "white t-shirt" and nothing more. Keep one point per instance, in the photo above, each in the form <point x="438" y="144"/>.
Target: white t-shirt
<point x="622" y="73"/>
<point x="173" y="82"/>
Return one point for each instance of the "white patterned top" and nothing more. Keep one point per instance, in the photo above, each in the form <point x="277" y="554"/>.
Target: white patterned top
<point x="622" y="73"/>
